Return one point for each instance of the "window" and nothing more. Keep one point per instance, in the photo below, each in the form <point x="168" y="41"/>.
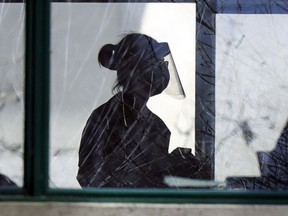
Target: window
<point x="12" y="97"/>
<point x="231" y="122"/>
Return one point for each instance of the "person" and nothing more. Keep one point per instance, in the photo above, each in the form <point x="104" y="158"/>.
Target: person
<point x="124" y="144"/>
<point x="6" y="182"/>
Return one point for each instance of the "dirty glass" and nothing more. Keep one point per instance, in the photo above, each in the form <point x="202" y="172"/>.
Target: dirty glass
<point x="137" y="138"/>
<point x="169" y="95"/>
<point x="11" y="94"/>
<point x="251" y="140"/>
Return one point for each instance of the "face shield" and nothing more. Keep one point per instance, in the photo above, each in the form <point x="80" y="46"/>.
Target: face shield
<point x="174" y="87"/>
<point x="139" y="46"/>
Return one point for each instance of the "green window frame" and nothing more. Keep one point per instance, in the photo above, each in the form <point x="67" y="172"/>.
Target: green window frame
<point x="36" y="141"/>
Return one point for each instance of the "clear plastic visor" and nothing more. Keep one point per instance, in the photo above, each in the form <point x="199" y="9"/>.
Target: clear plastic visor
<point x="174" y="87"/>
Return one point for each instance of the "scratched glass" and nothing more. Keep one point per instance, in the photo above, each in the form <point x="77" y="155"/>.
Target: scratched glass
<point x="115" y="124"/>
<point x="251" y="111"/>
<point x="11" y="94"/>
<point x="81" y="83"/>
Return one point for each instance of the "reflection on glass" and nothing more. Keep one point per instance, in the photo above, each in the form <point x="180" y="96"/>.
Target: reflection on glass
<point x="79" y="85"/>
<point x="251" y="91"/>
<point x="124" y="144"/>
<point x="11" y="94"/>
<point x="251" y="106"/>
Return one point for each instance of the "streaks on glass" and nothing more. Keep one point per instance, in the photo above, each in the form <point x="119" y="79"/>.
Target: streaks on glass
<point x="251" y="90"/>
<point x="252" y="6"/>
<point x="240" y="93"/>
<point x="88" y="86"/>
<point x="124" y="144"/>
<point x="11" y="93"/>
<point x="205" y="86"/>
<point x="273" y="168"/>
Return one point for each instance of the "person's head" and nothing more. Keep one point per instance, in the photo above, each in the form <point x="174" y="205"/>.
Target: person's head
<point x="139" y="62"/>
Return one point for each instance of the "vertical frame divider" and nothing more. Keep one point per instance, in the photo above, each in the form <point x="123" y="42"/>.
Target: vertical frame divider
<point x="205" y="86"/>
<point x="37" y="45"/>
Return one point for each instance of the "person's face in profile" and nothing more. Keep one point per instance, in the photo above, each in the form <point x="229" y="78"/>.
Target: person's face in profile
<point x="139" y="62"/>
<point x="150" y="78"/>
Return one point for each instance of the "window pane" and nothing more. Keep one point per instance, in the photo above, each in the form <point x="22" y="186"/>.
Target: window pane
<point x="101" y="138"/>
<point x="251" y="106"/>
<point x="11" y="93"/>
<point x="120" y="154"/>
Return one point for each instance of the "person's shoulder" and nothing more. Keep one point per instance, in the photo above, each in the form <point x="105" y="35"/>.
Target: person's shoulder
<point x="106" y="107"/>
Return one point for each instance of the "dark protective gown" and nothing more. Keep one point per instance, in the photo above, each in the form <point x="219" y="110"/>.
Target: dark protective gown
<point x="122" y="147"/>
<point x="6" y="182"/>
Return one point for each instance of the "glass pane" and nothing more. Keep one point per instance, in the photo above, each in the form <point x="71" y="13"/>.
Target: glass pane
<point x="124" y="143"/>
<point x="251" y="107"/>
<point x="106" y="59"/>
<point x="11" y="93"/>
